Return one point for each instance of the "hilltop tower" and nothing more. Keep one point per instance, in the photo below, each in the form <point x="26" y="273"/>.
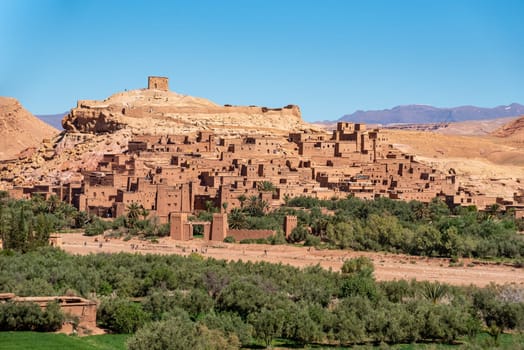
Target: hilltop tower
<point x="158" y="83"/>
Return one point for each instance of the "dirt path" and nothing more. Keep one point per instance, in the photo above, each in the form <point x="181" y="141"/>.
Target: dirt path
<point x="387" y="266"/>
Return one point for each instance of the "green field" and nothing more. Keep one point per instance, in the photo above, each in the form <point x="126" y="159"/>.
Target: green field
<point x="481" y="342"/>
<point x="51" y="341"/>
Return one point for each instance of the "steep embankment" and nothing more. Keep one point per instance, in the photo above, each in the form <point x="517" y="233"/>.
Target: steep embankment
<point x="164" y="112"/>
<point x="19" y="129"/>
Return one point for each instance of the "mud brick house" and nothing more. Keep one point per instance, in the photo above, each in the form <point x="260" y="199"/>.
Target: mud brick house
<point x="185" y="174"/>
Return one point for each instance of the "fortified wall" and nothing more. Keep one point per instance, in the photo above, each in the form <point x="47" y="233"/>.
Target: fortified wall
<point x="181" y="228"/>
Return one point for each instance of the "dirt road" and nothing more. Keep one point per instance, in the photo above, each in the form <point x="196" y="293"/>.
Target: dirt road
<point x="387" y="266"/>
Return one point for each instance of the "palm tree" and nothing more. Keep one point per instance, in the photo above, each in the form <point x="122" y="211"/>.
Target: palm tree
<point x="236" y="219"/>
<point x="242" y="198"/>
<point x="266" y="186"/>
<point x="143" y="212"/>
<point x="134" y="212"/>
<point x="434" y="291"/>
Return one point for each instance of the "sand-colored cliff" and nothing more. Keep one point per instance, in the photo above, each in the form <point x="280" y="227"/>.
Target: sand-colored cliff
<point x="151" y="111"/>
<point x="19" y="129"/>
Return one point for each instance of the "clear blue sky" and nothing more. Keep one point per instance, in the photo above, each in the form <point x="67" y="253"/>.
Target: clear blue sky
<point x="329" y="57"/>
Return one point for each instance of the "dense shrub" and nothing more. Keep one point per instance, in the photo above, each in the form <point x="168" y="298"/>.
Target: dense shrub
<point x="241" y="302"/>
<point x="29" y="317"/>
<point x="121" y="316"/>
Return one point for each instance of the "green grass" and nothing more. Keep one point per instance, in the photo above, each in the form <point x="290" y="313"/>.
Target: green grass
<point x="482" y="341"/>
<point x="51" y="341"/>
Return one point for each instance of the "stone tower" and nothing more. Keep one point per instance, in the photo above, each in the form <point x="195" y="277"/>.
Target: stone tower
<point x="289" y="224"/>
<point x="178" y="226"/>
<point x="219" y="227"/>
<point x="158" y="83"/>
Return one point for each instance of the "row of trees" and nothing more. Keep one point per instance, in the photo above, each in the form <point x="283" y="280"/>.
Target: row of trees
<point x="240" y="303"/>
<point x="27" y="224"/>
<point x="381" y="225"/>
<point x="385" y="225"/>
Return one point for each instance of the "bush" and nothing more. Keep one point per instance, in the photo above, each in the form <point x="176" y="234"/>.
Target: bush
<point x="362" y="266"/>
<point x="29" y="317"/>
<point x="312" y="241"/>
<point x="121" y="316"/>
<point x="298" y="234"/>
<point x="96" y="227"/>
<point x="359" y="286"/>
<point x="229" y="239"/>
<point x="180" y="333"/>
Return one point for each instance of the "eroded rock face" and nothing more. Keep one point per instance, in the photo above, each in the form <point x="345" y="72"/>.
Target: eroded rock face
<point x="61" y="159"/>
<point x="159" y="112"/>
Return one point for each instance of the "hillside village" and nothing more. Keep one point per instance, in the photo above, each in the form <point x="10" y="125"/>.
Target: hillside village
<point x="173" y="174"/>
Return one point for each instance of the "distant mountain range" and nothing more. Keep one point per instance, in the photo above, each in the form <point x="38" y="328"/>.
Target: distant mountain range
<point x="428" y="114"/>
<point x="55" y="120"/>
<point x="411" y="114"/>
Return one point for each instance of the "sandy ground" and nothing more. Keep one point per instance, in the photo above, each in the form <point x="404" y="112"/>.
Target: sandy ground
<point x="387" y="266"/>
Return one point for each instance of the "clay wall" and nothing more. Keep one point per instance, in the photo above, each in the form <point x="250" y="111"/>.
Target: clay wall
<point x="179" y="229"/>
<point x="240" y="235"/>
<point x="173" y="199"/>
<point x="319" y="148"/>
<point x="99" y="195"/>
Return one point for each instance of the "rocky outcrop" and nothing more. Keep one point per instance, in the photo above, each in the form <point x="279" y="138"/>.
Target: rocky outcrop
<point x="61" y="159"/>
<point x="19" y="129"/>
<point x="148" y="111"/>
<point x="513" y="129"/>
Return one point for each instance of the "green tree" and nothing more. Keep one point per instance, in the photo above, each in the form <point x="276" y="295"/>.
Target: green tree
<point x="266" y="186"/>
<point x="242" y="199"/>
<point x="298" y="234"/>
<point x="180" y="333"/>
<point x="267" y="324"/>
<point x="237" y="219"/>
<point x="361" y="266"/>
<point x="134" y="211"/>
<point x="121" y="316"/>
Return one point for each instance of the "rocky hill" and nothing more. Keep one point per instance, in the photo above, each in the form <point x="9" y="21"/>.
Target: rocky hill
<point x="19" y="129"/>
<point x="513" y="130"/>
<point x="152" y="111"/>
<point x="95" y="128"/>
<point x="429" y="114"/>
